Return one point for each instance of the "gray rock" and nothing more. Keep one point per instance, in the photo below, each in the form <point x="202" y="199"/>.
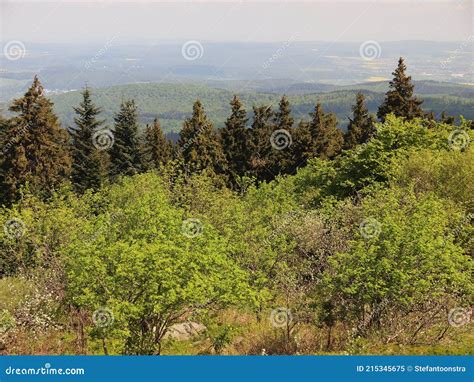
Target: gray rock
<point x="184" y="331"/>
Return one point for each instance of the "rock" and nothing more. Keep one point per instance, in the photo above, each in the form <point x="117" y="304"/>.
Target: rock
<point x="184" y="331"/>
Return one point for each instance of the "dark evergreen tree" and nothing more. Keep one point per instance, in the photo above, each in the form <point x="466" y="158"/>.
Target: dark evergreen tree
<point x="328" y="139"/>
<point x="157" y="150"/>
<point x="400" y="100"/>
<point x="281" y="139"/>
<point x="198" y="143"/>
<point x="125" y="158"/>
<point x="4" y="144"/>
<point x="361" y="126"/>
<point x="37" y="148"/>
<point x="261" y="148"/>
<point x="235" y="141"/>
<point x="89" y="165"/>
<point x="448" y="119"/>
<point x="302" y="148"/>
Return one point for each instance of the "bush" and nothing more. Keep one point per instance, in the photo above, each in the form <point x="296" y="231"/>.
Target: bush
<point x="144" y="271"/>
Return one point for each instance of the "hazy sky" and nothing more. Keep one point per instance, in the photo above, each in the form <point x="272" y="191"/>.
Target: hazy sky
<point x="382" y="20"/>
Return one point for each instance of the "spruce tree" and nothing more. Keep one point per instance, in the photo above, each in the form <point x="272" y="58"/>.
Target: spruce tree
<point x="89" y="165"/>
<point x="302" y="147"/>
<point x="39" y="155"/>
<point x="282" y="161"/>
<point x="157" y="150"/>
<point x="361" y="126"/>
<point x="261" y="148"/>
<point x="198" y="143"/>
<point x="235" y="141"/>
<point x="125" y="158"/>
<point x="328" y="139"/>
<point x="447" y="119"/>
<point x="400" y="100"/>
<point x="4" y="144"/>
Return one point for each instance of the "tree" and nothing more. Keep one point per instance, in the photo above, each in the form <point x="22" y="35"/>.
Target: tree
<point x="198" y="143"/>
<point x="148" y="279"/>
<point x="260" y="143"/>
<point x="370" y="165"/>
<point x="36" y="151"/>
<point x="235" y="141"/>
<point x="125" y="156"/>
<point x="302" y="144"/>
<point x="157" y="150"/>
<point x="399" y="100"/>
<point x="281" y="139"/>
<point x="448" y="119"/>
<point x="327" y="137"/>
<point x="361" y="126"/>
<point x="89" y="163"/>
<point x="380" y="282"/>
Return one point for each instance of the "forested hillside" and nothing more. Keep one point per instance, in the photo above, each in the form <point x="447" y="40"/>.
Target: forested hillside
<point x="270" y="235"/>
<point x="173" y="102"/>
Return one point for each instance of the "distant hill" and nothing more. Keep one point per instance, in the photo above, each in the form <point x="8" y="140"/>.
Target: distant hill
<point x="172" y="102"/>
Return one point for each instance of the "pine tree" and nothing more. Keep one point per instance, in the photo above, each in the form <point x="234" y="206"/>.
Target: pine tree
<point x="199" y="145"/>
<point x="235" y="141"/>
<point x="282" y="161"/>
<point x="260" y="145"/>
<point x="4" y="144"/>
<point x="361" y="126"/>
<point x="302" y="145"/>
<point x="89" y="166"/>
<point x="399" y="100"/>
<point x="447" y="119"/>
<point x="37" y="148"/>
<point x="125" y="158"/>
<point x="157" y="150"/>
<point x="328" y="139"/>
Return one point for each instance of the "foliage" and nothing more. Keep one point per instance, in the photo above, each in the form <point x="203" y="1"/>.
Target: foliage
<point x="361" y="125"/>
<point x="198" y="143"/>
<point x="144" y="268"/>
<point x="89" y="165"/>
<point x="125" y="158"/>
<point x="409" y="263"/>
<point x="365" y="249"/>
<point x="369" y="164"/>
<point x="157" y="150"/>
<point x="236" y="141"/>
<point x="36" y="148"/>
<point x="399" y="100"/>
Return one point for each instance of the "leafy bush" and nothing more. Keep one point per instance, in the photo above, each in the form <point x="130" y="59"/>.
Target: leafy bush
<point x="145" y="271"/>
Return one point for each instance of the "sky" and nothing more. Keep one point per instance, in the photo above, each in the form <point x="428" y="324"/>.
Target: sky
<point x="247" y="21"/>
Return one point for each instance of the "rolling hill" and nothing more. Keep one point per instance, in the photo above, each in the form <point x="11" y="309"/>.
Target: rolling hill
<point x="172" y="102"/>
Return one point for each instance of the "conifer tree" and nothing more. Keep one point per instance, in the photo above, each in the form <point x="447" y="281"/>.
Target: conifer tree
<point x="261" y="148"/>
<point x="302" y="147"/>
<point x="125" y="158"/>
<point x="235" y="141"/>
<point x="447" y="119"/>
<point x="89" y="165"/>
<point x="282" y="161"/>
<point x="400" y="100"/>
<point x="39" y="154"/>
<point x="4" y="144"/>
<point x="157" y="150"/>
<point x="361" y="126"/>
<point x="328" y="139"/>
<point x="199" y="145"/>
